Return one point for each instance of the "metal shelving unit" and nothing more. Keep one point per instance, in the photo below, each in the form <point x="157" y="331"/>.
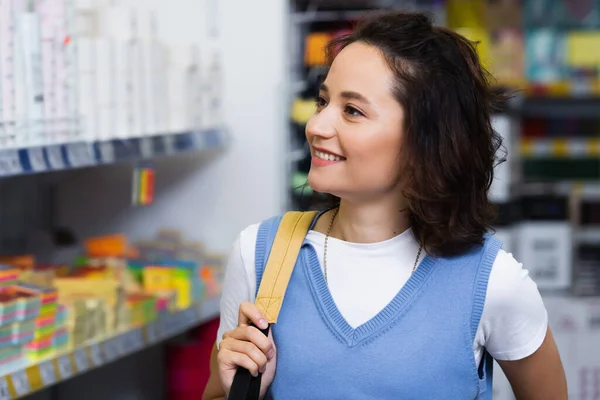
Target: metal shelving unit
<point x="31" y="377"/>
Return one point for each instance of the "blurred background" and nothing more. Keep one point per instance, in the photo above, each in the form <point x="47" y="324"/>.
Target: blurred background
<point x="138" y="137"/>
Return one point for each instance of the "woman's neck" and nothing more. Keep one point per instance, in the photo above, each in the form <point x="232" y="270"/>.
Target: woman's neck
<point x="369" y="222"/>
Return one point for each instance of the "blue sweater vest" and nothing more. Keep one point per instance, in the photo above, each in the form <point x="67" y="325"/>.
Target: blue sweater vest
<point x="420" y="346"/>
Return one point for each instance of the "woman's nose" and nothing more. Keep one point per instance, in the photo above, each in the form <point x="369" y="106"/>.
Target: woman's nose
<point x="321" y="124"/>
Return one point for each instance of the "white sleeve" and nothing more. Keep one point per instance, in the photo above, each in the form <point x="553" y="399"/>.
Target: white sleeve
<point x="239" y="284"/>
<point x="514" y="319"/>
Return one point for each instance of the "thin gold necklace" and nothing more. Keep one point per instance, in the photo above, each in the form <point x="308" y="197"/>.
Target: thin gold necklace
<point x="333" y="215"/>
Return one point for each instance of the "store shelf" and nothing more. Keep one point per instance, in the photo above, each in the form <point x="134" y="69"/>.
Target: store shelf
<point x="88" y="154"/>
<point x="31" y="377"/>
<point x="308" y="17"/>
<point x="557" y="107"/>
<point x="560" y="147"/>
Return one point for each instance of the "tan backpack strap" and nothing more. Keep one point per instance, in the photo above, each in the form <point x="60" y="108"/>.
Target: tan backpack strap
<point x="282" y="259"/>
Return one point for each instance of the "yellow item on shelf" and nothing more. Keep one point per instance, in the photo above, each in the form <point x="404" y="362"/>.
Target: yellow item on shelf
<point x="72" y="290"/>
<point x="183" y="287"/>
<point x="467" y="17"/>
<point x="302" y="110"/>
<point x="583" y="49"/>
<point x="158" y="279"/>
<point x="315" y="49"/>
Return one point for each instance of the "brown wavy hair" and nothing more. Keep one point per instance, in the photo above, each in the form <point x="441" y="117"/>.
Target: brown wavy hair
<point x="450" y="147"/>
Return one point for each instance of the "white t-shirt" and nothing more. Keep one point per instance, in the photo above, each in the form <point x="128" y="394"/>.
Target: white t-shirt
<point x="513" y="323"/>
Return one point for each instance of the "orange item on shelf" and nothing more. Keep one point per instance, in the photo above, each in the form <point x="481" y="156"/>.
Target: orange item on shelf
<point x="23" y="262"/>
<point x="107" y="246"/>
<point x="315" y="48"/>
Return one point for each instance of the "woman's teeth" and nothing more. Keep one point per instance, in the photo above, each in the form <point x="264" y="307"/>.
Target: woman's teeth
<point x="327" y="156"/>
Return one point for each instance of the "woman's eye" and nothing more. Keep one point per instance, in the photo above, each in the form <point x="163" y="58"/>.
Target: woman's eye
<point x="321" y="102"/>
<point x="353" y="112"/>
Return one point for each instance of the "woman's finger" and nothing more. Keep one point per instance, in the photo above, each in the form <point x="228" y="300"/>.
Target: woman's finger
<point x="253" y="335"/>
<point x="250" y="314"/>
<point x="249" y="349"/>
<point x="230" y="359"/>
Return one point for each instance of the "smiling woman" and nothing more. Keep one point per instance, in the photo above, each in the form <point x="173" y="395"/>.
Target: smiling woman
<point x="399" y="291"/>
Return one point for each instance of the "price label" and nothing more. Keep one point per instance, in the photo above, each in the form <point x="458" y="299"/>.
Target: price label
<point x="96" y="354"/>
<point x="135" y="340"/>
<point x="122" y="344"/>
<point x="138" y="339"/>
<point x="55" y="157"/>
<point x="168" y="324"/>
<point x="81" y="360"/>
<point x="65" y="368"/>
<point x="151" y="334"/>
<point x="10" y="163"/>
<point x="199" y="314"/>
<point x="47" y="373"/>
<point x="80" y="154"/>
<point x="192" y="317"/>
<point x="110" y="350"/>
<point x="4" y="391"/>
<point x="146" y="147"/>
<point x="20" y="383"/>
<point x="169" y="142"/>
<point x="107" y="152"/>
<point x="181" y="321"/>
<point x="37" y="159"/>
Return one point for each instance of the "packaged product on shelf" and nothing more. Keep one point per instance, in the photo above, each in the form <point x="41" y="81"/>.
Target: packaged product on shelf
<point x="8" y="308"/>
<point x="43" y="275"/>
<point x="9" y="12"/>
<point x="143" y="309"/>
<point x="28" y="76"/>
<point x="545" y="58"/>
<point x="48" y="297"/>
<point x="151" y="69"/>
<point x="541" y="13"/>
<point x="314" y="53"/>
<point x="213" y="272"/>
<point x="468" y="19"/>
<point x="507" y="59"/>
<point x="9" y="355"/>
<point x="181" y="277"/>
<point x="22" y="262"/>
<point x="209" y="117"/>
<point x="105" y="90"/>
<point x="586" y="267"/>
<point x="504" y="226"/>
<point x="87" y="319"/>
<point x="543" y="240"/>
<point x="22" y="332"/>
<point x="578" y="15"/>
<point x="55" y="73"/>
<point x="86" y="84"/>
<point x="8" y="275"/>
<point x="27" y="301"/>
<point x="84" y="293"/>
<point x="43" y="324"/>
<point x="182" y="81"/>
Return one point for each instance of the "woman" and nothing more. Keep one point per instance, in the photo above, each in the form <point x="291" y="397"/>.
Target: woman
<point x="403" y="294"/>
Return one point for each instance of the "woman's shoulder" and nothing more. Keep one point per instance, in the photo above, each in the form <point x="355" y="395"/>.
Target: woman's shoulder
<point x="514" y="319"/>
<point x="507" y="276"/>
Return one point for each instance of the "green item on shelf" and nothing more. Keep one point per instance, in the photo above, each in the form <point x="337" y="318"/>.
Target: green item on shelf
<point x="561" y="169"/>
<point x="81" y="261"/>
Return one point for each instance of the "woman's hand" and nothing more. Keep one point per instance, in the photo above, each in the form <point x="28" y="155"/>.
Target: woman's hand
<point x="247" y="347"/>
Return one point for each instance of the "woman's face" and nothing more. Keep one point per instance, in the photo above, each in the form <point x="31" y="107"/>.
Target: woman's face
<point x="356" y="133"/>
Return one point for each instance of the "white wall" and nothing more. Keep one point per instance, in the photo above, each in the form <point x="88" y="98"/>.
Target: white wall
<point x="209" y="200"/>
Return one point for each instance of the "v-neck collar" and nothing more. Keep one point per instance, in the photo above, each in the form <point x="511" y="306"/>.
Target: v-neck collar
<point x="334" y="318"/>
